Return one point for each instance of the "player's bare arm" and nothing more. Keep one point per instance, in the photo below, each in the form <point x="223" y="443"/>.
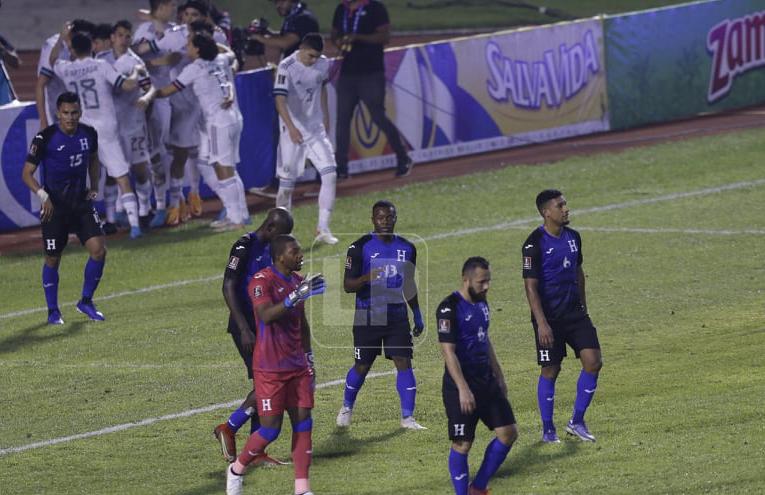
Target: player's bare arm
<point x="281" y="106"/>
<point x="467" y="400"/>
<point x="325" y="106"/>
<point x="94" y="172"/>
<point x="27" y="175"/>
<point x="62" y="38"/>
<point x="497" y="369"/>
<point x="351" y="284"/>
<point x="535" y="303"/>
<point x="42" y="82"/>
<point x="381" y="36"/>
<point x="580" y="278"/>
<point x="230" y="295"/>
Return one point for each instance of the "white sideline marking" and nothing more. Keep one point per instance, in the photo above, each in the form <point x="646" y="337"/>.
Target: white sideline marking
<point x="445" y="235"/>
<point x="150" y="421"/>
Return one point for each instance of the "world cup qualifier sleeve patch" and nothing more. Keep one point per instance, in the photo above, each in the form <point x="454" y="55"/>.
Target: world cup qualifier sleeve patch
<point x="258" y="291"/>
<point x="233" y="262"/>
<point x="348" y="262"/>
<point x="527" y="262"/>
<point x="444" y="325"/>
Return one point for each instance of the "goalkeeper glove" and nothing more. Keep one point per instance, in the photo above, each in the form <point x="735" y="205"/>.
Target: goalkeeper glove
<point x="311" y="286"/>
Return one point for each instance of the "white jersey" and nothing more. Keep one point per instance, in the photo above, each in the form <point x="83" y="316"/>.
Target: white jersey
<point x="147" y="31"/>
<point x="55" y="86"/>
<point x="94" y="81"/>
<point x="128" y="114"/>
<point x="302" y="86"/>
<point x="212" y="82"/>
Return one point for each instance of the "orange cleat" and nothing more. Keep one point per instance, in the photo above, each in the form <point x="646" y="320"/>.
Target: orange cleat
<point x="227" y="440"/>
<point x="173" y="217"/>
<point x="475" y="491"/>
<point x="195" y="204"/>
<point x="185" y="211"/>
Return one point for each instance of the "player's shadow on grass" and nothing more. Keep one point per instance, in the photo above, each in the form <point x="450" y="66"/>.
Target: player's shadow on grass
<point x="39" y="334"/>
<point x="340" y="444"/>
<point x="527" y="457"/>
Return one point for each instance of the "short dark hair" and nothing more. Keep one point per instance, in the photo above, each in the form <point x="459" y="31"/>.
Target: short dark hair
<point x="81" y="44"/>
<point x="279" y="245"/>
<point x="314" y="41"/>
<point x="545" y="196"/>
<point x="102" y="32"/>
<point x="208" y="49"/>
<point x="474" y="262"/>
<point x="124" y="24"/>
<point x="83" y="26"/>
<point x="67" y="97"/>
<point x="382" y="204"/>
<point x="201" y="26"/>
<point x="197" y="5"/>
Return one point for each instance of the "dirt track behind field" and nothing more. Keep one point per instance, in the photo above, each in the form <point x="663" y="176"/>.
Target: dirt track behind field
<point x="28" y="240"/>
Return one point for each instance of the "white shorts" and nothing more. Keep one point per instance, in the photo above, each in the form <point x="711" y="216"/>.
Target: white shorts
<point x="158" y="120"/>
<point x="184" y="123"/>
<point x="111" y="156"/>
<point x="135" y="145"/>
<point x="223" y="144"/>
<point x="291" y="157"/>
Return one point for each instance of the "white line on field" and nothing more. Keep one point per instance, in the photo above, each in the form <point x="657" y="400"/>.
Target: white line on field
<point x="661" y="230"/>
<point x="445" y="235"/>
<point x="150" y="421"/>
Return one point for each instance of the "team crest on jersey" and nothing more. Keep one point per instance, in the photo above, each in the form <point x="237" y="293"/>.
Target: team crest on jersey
<point x="444" y="326"/>
<point x="233" y="262"/>
<point x="527" y="262"/>
<point x="348" y="262"/>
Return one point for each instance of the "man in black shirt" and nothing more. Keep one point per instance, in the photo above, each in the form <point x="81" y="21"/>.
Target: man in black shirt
<point x="473" y="387"/>
<point x="68" y="154"/>
<point x="298" y="21"/>
<point x="360" y="29"/>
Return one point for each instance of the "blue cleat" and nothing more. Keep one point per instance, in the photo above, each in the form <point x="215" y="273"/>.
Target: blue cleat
<point x="221" y="215"/>
<point x="89" y="310"/>
<point x="54" y="317"/>
<point x="135" y="232"/>
<point x="550" y="436"/>
<point x="580" y="430"/>
<point x="247" y="220"/>
<point x="159" y="219"/>
<point x="121" y="219"/>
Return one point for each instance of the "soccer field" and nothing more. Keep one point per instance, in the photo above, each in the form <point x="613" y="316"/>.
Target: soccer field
<point x="672" y="243"/>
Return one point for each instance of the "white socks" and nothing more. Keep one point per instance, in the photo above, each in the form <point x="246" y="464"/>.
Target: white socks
<point x="326" y="197"/>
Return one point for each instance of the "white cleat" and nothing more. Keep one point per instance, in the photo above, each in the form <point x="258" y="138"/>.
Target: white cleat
<point x="326" y="237"/>
<point x="410" y="424"/>
<point x="234" y="482"/>
<point x="344" y="417"/>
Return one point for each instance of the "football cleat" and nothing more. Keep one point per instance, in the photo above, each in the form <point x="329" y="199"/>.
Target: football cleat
<point x="89" y="310"/>
<point x="404" y="168"/>
<point x="264" y="460"/>
<point x="173" y="216"/>
<point x="264" y="192"/>
<point x="550" y="436"/>
<point x="221" y="214"/>
<point x="160" y="216"/>
<point x="195" y="204"/>
<point x="580" y="430"/>
<point x="234" y="482"/>
<point x="184" y="211"/>
<point x="109" y="228"/>
<point x="410" y="424"/>
<point x="325" y="237"/>
<point x="227" y="440"/>
<point x="54" y="317"/>
<point x="135" y="232"/>
<point x="344" y="417"/>
<point x="475" y="491"/>
<point x="225" y="226"/>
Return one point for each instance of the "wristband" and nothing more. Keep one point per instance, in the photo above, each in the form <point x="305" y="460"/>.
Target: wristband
<point x="42" y="194"/>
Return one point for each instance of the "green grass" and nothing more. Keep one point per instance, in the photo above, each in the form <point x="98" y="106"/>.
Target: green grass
<point x="680" y="318"/>
<point x="465" y="15"/>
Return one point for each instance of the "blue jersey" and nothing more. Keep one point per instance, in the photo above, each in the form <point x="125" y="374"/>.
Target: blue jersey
<point x="554" y="262"/>
<point x="248" y="256"/>
<point x="64" y="161"/>
<point x="385" y="298"/>
<point x="466" y="325"/>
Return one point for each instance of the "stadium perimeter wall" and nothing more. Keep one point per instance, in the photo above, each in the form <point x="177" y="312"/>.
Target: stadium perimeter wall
<point x="500" y="90"/>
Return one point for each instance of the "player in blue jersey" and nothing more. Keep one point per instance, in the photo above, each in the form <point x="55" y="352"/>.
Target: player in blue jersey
<point x="68" y="154"/>
<point x="249" y="254"/>
<point x="554" y="282"/>
<point x="473" y="386"/>
<point x="379" y="269"/>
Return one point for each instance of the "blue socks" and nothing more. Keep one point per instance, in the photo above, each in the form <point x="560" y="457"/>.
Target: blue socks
<point x="240" y="417"/>
<point x="459" y="471"/>
<point x="407" y="391"/>
<point x="50" y="286"/>
<point x="353" y="383"/>
<point x="546" y="400"/>
<point x="495" y="455"/>
<point x="93" y="271"/>
<point x="585" y="390"/>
